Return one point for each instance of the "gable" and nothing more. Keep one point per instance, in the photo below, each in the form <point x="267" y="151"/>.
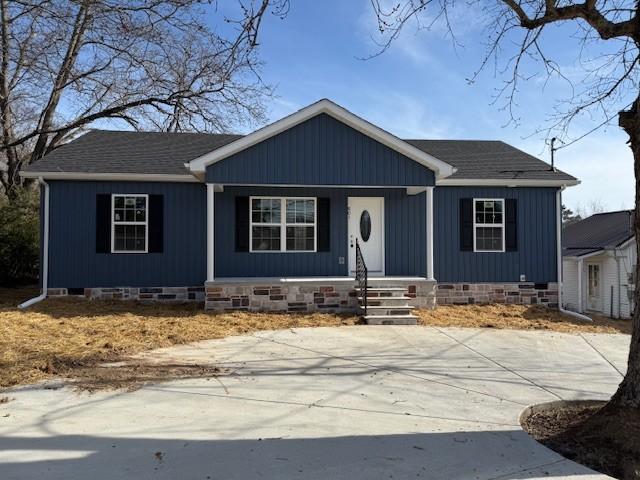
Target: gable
<point x="321" y="150"/>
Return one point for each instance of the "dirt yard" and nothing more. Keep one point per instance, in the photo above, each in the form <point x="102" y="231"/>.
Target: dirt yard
<point x="73" y="337"/>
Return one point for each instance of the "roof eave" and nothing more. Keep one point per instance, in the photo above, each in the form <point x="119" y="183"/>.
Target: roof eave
<point x="506" y="182"/>
<point x="441" y="168"/>
<point x="104" y="176"/>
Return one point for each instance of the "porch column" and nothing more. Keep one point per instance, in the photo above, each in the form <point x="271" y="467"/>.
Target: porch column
<point x="429" y="195"/>
<point x="210" y="232"/>
<point x="580" y="263"/>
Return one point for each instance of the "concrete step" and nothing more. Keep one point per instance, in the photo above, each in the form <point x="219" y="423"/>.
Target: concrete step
<point x="383" y="289"/>
<point x="388" y="307"/>
<point x="391" y="319"/>
<point x="383" y="299"/>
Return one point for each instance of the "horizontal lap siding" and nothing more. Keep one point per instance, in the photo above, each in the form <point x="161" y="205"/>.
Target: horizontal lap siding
<point x="74" y="263"/>
<point x="320" y="151"/>
<point x="404" y="235"/>
<point x="536" y="255"/>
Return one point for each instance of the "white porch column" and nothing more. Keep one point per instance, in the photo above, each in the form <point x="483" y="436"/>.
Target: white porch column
<point x="210" y="232"/>
<point x="429" y="195"/>
<point x="580" y="263"/>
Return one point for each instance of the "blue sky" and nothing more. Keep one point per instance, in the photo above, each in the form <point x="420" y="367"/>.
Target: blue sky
<point x="418" y="89"/>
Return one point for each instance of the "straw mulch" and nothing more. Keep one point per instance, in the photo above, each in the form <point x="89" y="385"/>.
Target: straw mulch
<point x="72" y="337"/>
<point x="517" y="317"/>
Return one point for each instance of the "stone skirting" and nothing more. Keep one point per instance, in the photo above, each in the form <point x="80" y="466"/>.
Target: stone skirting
<point x="149" y="294"/>
<point x="304" y="296"/>
<point x="513" y="293"/>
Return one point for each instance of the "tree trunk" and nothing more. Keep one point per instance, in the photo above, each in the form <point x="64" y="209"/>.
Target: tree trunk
<point x="628" y="394"/>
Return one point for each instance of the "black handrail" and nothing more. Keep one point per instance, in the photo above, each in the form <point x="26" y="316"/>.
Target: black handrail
<point x="362" y="275"/>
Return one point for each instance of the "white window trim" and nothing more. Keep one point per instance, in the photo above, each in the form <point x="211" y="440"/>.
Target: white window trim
<point x="490" y="225"/>
<point x="145" y="223"/>
<point x="283" y="224"/>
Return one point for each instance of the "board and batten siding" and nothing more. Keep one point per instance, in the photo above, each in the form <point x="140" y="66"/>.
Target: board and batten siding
<point x="74" y="263"/>
<point x="536" y="254"/>
<point x="405" y="233"/>
<point x="320" y="151"/>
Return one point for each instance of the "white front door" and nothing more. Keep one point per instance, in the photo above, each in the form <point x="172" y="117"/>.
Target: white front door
<point x="593" y="288"/>
<point x="366" y="224"/>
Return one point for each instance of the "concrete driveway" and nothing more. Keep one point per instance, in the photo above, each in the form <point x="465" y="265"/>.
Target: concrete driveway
<point x="327" y="403"/>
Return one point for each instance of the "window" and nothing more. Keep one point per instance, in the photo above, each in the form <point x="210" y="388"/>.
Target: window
<point x="283" y="224"/>
<point x="129" y="223"/>
<point x="488" y="225"/>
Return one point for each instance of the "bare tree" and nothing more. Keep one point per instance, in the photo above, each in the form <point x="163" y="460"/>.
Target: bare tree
<point x="65" y="65"/>
<point x="592" y="207"/>
<point x="608" y="88"/>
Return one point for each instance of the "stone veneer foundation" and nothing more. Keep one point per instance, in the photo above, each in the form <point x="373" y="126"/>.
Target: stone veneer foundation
<point x="515" y="293"/>
<point x="150" y="294"/>
<point x="329" y="296"/>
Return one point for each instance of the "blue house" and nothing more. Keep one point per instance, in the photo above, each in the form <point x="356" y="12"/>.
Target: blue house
<point x="288" y="217"/>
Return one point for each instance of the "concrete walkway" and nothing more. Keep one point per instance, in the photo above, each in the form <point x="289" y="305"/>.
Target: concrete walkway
<point x="327" y="403"/>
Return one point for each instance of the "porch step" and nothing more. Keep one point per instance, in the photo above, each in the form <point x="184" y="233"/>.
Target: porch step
<point x="383" y="289"/>
<point x="391" y="319"/>
<point x="383" y="299"/>
<point x="388" y="307"/>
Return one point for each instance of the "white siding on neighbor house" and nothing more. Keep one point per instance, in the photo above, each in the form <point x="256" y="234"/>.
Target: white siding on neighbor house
<point x="614" y="282"/>
<point x="570" y="284"/>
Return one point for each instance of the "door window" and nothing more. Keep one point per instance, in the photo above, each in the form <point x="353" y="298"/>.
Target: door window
<point x="594" y="280"/>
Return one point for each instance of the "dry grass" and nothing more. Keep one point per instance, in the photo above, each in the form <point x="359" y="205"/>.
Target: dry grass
<point x="72" y="337"/>
<point x="517" y="317"/>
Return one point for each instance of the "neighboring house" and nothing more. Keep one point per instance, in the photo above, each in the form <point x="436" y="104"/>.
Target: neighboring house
<point x="270" y="220"/>
<point x="598" y="259"/>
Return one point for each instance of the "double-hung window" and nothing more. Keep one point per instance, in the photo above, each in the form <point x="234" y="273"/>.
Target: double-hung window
<point x="488" y="225"/>
<point x="283" y="224"/>
<point x="129" y="223"/>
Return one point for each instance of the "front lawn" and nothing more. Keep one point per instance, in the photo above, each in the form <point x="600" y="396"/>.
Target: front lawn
<point x="71" y="337"/>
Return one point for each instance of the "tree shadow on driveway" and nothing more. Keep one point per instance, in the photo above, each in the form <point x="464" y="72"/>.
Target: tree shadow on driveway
<point x="506" y="454"/>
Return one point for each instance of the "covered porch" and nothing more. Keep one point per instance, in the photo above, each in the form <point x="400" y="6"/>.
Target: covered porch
<point x="257" y="261"/>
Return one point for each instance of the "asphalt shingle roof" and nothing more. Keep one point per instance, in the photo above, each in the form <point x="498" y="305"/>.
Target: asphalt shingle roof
<point x="104" y="151"/>
<point x="597" y="232"/>
<point x="490" y="159"/>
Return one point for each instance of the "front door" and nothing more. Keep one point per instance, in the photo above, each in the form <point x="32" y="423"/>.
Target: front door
<point x="366" y="224"/>
<point x="593" y="288"/>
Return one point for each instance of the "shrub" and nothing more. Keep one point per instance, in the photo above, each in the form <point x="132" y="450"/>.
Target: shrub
<point x="19" y="238"/>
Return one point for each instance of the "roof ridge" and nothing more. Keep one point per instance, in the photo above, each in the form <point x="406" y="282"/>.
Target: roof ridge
<point x="109" y="130"/>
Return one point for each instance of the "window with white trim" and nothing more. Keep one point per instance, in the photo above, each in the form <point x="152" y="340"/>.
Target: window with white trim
<point x="488" y="224"/>
<point x="129" y="223"/>
<point x="283" y="224"/>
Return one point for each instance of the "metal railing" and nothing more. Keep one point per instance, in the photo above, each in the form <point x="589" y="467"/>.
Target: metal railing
<point x="362" y="275"/>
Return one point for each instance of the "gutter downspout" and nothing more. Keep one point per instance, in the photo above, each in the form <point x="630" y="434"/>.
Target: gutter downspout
<point x="45" y="250"/>
<point x="579" y="316"/>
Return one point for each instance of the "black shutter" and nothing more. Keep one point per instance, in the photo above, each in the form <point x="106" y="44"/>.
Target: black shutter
<point x="466" y="224"/>
<point x="242" y="224"/>
<point x="324" y="225"/>
<point x="156" y="223"/>
<point x="103" y="223"/>
<point x="511" y="224"/>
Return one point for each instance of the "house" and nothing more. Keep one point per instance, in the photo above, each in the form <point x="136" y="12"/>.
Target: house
<point x="598" y="260"/>
<point x="274" y="220"/>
